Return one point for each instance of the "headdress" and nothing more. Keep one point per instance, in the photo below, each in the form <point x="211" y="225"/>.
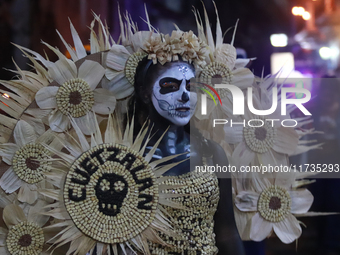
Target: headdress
<point x="63" y="142"/>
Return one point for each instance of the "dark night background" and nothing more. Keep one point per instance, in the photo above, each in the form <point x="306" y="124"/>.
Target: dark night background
<point x="26" y="22"/>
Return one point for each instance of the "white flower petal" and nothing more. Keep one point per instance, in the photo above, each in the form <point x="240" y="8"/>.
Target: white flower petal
<point x="242" y="62"/>
<point x="35" y="213"/>
<point x="63" y="70"/>
<point x="246" y="201"/>
<point x="24" y="133"/>
<point x="27" y="195"/>
<point x="37" y="124"/>
<point x="286" y="140"/>
<point x="226" y="53"/>
<point x="10" y="182"/>
<point x="288" y="230"/>
<point x="260" y="228"/>
<point x="104" y="101"/>
<point x="58" y="121"/>
<point x="242" y="155"/>
<point x="301" y="200"/>
<point x="285" y="179"/>
<point x="86" y="123"/>
<point x="272" y="158"/>
<point x="110" y="74"/>
<point x="7" y="151"/>
<point x="242" y="78"/>
<point x="233" y="135"/>
<point x="119" y="86"/>
<point x="6" y="199"/>
<point x="117" y="57"/>
<point x="91" y="72"/>
<point x="46" y="97"/>
<point x="13" y="215"/>
<point x="138" y="39"/>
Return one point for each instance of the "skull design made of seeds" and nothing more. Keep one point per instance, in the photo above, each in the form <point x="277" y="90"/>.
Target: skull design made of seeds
<point x="111" y="193"/>
<point x="111" y="190"/>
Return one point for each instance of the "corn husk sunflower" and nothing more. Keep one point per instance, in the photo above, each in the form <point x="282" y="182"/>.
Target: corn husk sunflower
<point x="272" y="205"/>
<point x="112" y="194"/>
<point x="268" y="141"/>
<point x="121" y="70"/>
<point x="122" y="60"/>
<point x="74" y="88"/>
<point x="222" y="66"/>
<point x="22" y="90"/>
<point x="24" y="234"/>
<point x="75" y="94"/>
<point x="29" y="163"/>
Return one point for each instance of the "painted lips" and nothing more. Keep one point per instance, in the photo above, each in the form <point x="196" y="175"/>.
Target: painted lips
<point x="182" y="109"/>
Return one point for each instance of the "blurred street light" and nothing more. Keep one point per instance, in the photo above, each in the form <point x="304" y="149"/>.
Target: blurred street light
<point x="298" y="10"/>
<point x="279" y="40"/>
<point x="306" y="15"/>
<point x="328" y="53"/>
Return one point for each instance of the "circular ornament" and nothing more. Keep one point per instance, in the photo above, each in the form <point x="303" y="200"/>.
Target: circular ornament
<point x="217" y="73"/>
<point x="75" y="98"/>
<point x="111" y="193"/>
<point x="30" y="162"/>
<point x="274" y="203"/>
<point x="25" y="238"/>
<point x="260" y="136"/>
<point x="131" y="65"/>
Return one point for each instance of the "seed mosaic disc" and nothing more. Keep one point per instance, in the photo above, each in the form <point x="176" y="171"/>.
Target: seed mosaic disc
<point x="111" y="193"/>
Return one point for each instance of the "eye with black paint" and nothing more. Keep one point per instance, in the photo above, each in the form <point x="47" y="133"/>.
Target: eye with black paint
<point x="169" y="85"/>
<point x="187" y="86"/>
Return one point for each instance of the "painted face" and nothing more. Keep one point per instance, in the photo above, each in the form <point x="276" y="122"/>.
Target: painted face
<point x="171" y="95"/>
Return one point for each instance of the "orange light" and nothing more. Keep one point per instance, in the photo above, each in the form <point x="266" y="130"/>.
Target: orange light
<point x="5" y="96"/>
<point x="298" y="10"/>
<point x="306" y="15"/>
<point x="86" y="46"/>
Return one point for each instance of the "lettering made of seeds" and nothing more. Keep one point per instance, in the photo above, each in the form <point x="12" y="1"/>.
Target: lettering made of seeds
<point x="110" y="186"/>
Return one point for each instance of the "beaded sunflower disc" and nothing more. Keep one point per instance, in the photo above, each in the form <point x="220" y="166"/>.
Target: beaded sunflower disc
<point x="25" y="238"/>
<point x="111" y="193"/>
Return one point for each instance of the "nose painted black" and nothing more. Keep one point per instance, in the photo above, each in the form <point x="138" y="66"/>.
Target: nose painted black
<point x="185" y="97"/>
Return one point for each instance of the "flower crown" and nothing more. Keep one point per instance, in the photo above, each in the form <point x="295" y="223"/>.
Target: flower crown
<point x="122" y="59"/>
<point x="166" y="48"/>
<point x="158" y="47"/>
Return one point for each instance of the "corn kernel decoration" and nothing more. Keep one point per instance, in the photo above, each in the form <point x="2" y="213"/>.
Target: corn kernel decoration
<point x="27" y="161"/>
<point x="75" y="97"/>
<point x="25" y="238"/>
<point x="274" y="203"/>
<point x="100" y="187"/>
<point x="116" y="187"/>
<point x="194" y="228"/>
<point x="23" y="232"/>
<point x="31" y="162"/>
<point x="112" y="194"/>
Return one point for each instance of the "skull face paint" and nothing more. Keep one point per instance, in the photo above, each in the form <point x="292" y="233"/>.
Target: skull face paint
<point x="171" y="95"/>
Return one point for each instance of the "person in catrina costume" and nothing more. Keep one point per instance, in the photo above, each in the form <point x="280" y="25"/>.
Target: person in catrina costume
<point x="164" y="95"/>
<point x="105" y="140"/>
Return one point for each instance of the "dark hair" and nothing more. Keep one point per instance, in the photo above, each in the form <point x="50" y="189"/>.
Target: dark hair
<point x="146" y="74"/>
